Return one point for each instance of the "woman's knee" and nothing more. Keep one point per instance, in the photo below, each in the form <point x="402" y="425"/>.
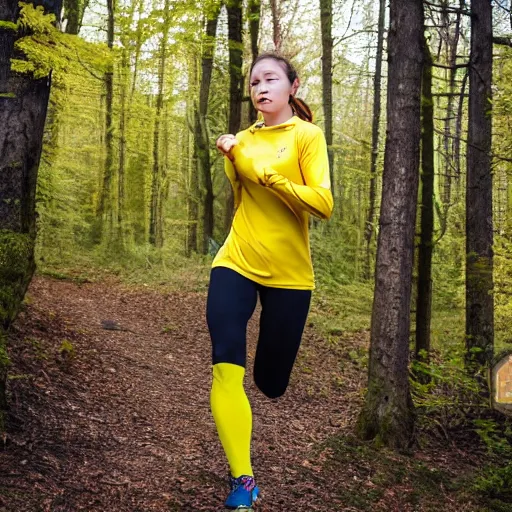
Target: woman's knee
<point x="271" y="388"/>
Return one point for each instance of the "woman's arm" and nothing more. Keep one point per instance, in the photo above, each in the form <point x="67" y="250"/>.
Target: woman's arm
<point x="316" y="200"/>
<point x="233" y="178"/>
<point x="314" y="196"/>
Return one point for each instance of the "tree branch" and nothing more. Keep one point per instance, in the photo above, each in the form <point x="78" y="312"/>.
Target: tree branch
<point x="504" y="41"/>
<point x="444" y="8"/>
<point x="457" y="66"/>
<point x="493" y="155"/>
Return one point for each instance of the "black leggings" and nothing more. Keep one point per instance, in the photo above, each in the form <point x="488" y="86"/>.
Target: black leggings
<point x="231" y="303"/>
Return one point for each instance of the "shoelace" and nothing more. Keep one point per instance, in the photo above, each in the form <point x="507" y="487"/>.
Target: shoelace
<point x="247" y="482"/>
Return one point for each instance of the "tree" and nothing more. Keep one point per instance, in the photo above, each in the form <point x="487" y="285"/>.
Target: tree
<point x="73" y="13"/>
<point x="377" y="79"/>
<point x="479" y="224"/>
<point x="254" y="9"/>
<point x="388" y="414"/>
<point x="124" y="118"/>
<point x="23" y="107"/>
<point x="156" y="235"/>
<point x="202" y="139"/>
<point x="449" y="35"/>
<point x="236" y="79"/>
<point x="327" y="42"/>
<point x="104" y="211"/>
<point x="9" y="11"/>
<point x="424" y="293"/>
<point x="277" y="33"/>
<point x="194" y="167"/>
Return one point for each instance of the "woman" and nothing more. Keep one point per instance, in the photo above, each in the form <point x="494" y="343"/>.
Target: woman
<point x="279" y="172"/>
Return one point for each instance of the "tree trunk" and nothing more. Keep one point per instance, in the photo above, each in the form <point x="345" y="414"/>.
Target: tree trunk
<point x="9" y="12"/>
<point x="388" y="415"/>
<point x="202" y="139"/>
<point x="156" y="221"/>
<point x="424" y="295"/>
<point x="458" y="128"/>
<point x="193" y="191"/>
<point x="23" y="108"/>
<point x="124" y="118"/>
<point x="74" y="13"/>
<point x="104" y="211"/>
<point x="377" y="80"/>
<point x="479" y="225"/>
<point x="138" y="46"/>
<point x="326" y="29"/>
<point x="254" y="29"/>
<point x="234" y="9"/>
<point x="451" y="40"/>
<point x="122" y="149"/>
<point x="277" y="36"/>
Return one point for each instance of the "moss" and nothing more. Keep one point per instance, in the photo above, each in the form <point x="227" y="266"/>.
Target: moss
<point x="4" y="365"/>
<point x="16" y="269"/>
<point x="384" y="420"/>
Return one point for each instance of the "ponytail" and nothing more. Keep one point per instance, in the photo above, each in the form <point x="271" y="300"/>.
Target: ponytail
<point x="301" y="109"/>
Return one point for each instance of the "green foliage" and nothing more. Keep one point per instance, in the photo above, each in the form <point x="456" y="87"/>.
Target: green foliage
<point x="4" y="356"/>
<point x="450" y="395"/>
<point x="47" y="48"/>
<point x="494" y="481"/>
<point x="8" y="25"/>
<point x="67" y="348"/>
<point x="333" y="256"/>
<point x="451" y="404"/>
<point x="503" y="292"/>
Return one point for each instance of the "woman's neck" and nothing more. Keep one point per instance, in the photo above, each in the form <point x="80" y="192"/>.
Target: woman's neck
<point x="275" y="118"/>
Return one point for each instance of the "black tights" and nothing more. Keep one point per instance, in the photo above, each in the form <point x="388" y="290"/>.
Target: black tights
<point x="231" y="303"/>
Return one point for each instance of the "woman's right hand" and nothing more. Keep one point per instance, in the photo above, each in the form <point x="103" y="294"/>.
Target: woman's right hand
<point x="225" y="144"/>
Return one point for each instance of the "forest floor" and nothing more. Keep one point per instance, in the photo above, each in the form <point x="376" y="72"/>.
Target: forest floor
<point x="119" y="420"/>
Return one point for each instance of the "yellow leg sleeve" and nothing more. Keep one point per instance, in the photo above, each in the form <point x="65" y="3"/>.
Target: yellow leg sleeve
<point x="232" y="414"/>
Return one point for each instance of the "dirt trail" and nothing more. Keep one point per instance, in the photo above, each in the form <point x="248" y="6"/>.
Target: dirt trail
<point x="123" y="424"/>
<point x="121" y="421"/>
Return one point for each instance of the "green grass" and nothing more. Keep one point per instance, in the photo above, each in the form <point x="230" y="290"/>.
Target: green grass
<point x="341" y="308"/>
<point x="143" y="266"/>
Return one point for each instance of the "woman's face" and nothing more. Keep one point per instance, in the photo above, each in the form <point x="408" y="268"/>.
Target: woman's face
<point x="270" y="88"/>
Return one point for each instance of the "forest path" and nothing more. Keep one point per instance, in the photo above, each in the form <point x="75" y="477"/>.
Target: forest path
<point x="119" y="420"/>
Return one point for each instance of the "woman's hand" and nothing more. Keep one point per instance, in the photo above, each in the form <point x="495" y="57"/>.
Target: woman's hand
<point x="225" y="144"/>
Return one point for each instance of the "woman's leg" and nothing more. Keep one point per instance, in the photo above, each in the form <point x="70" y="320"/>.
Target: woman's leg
<point x="283" y="317"/>
<point x="231" y="302"/>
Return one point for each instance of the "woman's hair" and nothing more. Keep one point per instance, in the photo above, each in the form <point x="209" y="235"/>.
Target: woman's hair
<point x="299" y="107"/>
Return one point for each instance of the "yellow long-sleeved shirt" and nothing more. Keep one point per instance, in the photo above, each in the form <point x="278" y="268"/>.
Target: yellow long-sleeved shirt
<point x="280" y="175"/>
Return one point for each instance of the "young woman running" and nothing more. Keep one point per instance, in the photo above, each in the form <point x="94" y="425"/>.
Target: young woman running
<point x="279" y="172"/>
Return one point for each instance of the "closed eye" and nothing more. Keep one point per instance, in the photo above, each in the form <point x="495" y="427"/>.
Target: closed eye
<point x="256" y="82"/>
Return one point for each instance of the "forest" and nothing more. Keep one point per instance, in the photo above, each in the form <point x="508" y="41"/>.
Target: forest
<point x="114" y="202"/>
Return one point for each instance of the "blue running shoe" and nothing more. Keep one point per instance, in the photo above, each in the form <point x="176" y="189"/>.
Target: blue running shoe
<point x="244" y="493"/>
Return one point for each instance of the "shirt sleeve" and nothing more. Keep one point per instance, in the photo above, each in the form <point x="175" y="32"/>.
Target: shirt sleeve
<point x="233" y="178"/>
<point x="315" y="195"/>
